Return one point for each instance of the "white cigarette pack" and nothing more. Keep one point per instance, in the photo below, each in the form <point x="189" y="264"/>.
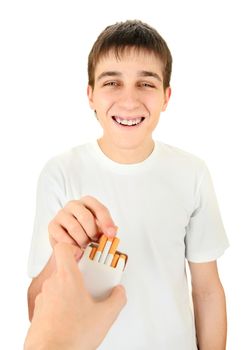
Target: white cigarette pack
<point x="98" y="278"/>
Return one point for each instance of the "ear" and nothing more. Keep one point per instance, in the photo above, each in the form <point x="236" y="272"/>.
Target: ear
<point x="90" y="96"/>
<point x="167" y="96"/>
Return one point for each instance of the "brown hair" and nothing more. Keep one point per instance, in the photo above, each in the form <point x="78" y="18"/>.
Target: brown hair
<point x="130" y="34"/>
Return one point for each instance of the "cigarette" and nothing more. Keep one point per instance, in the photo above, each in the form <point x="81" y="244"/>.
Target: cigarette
<point x="112" y="251"/>
<point x="92" y="254"/>
<point x="100" y="248"/>
<point x="121" y="262"/>
<point x="87" y="252"/>
<point x="115" y="260"/>
<point x="105" y="250"/>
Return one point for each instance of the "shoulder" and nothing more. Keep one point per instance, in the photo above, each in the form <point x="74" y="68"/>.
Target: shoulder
<point x="181" y="159"/>
<point x="68" y="160"/>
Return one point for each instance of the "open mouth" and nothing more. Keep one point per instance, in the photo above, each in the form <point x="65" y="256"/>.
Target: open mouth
<point x="128" y="122"/>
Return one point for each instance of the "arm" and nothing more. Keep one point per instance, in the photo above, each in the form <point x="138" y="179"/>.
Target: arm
<point x="209" y="306"/>
<point x="77" y="223"/>
<point x="36" y="285"/>
<point x="37" y="282"/>
<point x="65" y="315"/>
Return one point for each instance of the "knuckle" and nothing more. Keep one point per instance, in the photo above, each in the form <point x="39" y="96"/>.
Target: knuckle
<point x="87" y="198"/>
<point x="85" y="216"/>
<point x="99" y="207"/>
<point x="105" y="217"/>
<point x="70" y="204"/>
<point x="103" y="209"/>
<point x="51" y="225"/>
<point x="58" y="216"/>
<point x="73" y="227"/>
<point x="106" y="212"/>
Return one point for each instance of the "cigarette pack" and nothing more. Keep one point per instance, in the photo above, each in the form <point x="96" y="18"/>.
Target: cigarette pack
<point x="99" y="278"/>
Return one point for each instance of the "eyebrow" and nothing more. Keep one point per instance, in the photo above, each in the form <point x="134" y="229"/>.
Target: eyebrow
<point x="142" y="73"/>
<point x="109" y="74"/>
<point x="145" y="73"/>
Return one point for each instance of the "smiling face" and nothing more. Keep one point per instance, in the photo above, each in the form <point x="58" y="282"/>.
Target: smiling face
<point x="128" y="97"/>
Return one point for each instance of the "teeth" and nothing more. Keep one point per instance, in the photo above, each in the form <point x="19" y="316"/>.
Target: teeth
<point x="128" y="122"/>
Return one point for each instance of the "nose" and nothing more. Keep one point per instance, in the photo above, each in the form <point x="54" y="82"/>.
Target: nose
<point x="129" y="99"/>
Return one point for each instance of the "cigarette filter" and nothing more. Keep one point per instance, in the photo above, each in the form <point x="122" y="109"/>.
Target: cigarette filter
<point x="112" y="251"/>
<point x="115" y="260"/>
<point x="102" y="267"/>
<point x="101" y="246"/>
<point x="105" y="251"/>
<point x="121" y="262"/>
<point x="93" y="252"/>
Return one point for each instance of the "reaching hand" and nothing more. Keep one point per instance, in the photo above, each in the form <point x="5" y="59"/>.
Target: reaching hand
<point x="65" y="315"/>
<point x="81" y="221"/>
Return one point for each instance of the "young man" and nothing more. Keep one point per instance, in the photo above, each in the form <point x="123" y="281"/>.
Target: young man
<point x="66" y="316"/>
<point x="160" y="197"/>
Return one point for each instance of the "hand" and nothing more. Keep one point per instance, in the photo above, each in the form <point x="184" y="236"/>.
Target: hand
<point x="65" y="315"/>
<point x="81" y="221"/>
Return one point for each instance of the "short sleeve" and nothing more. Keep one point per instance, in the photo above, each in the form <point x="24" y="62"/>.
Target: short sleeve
<point x="50" y="198"/>
<point x="205" y="238"/>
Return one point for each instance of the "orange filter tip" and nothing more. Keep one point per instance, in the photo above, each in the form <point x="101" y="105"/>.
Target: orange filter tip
<point x="114" y="245"/>
<point x="93" y="252"/>
<point x="102" y="243"/>
<point x="115" y="260"/>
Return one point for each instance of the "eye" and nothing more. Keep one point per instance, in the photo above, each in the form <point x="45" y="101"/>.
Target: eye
<point x="147" y="85"/>
<point x="111" y="83"/>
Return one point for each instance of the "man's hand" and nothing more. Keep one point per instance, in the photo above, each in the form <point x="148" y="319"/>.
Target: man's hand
<point x="81" y="221"/>
<point x="65" y="315"/>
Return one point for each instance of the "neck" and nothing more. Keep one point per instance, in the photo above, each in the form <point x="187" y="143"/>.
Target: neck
<point x="126" y="155"/>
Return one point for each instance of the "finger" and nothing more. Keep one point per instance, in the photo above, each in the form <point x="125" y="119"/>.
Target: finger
<point x="65" y="258"/>
<point x="102" y="215"/>
<point x="116" y="301"/>
<point x="78" y="252"/>
<point x="58" y="234"/>
<point x="73" y="227"/>
<point x="84" y="217"/>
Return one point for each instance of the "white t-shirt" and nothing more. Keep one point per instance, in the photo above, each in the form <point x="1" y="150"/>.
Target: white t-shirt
<point x="166" y="211"/>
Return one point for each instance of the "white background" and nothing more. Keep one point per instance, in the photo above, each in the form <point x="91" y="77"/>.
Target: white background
<point x="44" y="111"/>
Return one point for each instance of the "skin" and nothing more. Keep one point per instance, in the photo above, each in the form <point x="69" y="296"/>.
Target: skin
<point x="123" y="88"/>
<point x="66" y="317"/>
<point x="132" y="87"/>
<point x="78" y="223"/>
<point x="209" y="306"/>
<point x="131" y="93"/>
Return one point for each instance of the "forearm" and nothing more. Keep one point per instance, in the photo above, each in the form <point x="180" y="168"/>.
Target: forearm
<point x="36" y="285"/>
<point x="210" y="319"/>
<point x="47" y="344"/>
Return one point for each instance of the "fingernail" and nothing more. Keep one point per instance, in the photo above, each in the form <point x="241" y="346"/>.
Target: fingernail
<point x="111" y="231"/>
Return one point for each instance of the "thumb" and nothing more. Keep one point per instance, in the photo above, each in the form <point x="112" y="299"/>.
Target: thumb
<point x="116" y="301"/>
<point x="65" y="257"/>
